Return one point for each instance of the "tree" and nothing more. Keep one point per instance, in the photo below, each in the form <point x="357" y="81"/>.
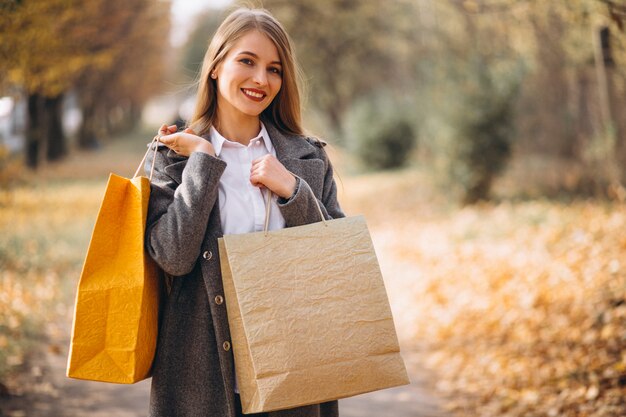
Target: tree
<point x="348" y="48"/>
<point x="557" y="111"/>
<point x="135" y="37"/>
<point x="37" y="57"/>
<point x="52" y="46"/>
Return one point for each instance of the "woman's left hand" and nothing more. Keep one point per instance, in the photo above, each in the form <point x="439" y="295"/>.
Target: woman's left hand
<point x="185" y="142"/>
<point x="269" y="172"/>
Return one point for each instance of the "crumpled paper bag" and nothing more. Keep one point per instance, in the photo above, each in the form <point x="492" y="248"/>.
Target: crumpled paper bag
<point x="309" y="315"/>
<point x="117" y="304"/>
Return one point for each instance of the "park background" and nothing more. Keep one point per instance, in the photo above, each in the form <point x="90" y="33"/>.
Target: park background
<point x="484" y="140"/>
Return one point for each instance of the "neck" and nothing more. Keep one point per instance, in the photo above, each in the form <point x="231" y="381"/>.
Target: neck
<point x="238" y="129"/>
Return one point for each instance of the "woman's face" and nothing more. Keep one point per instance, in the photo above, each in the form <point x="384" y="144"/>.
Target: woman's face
<point x="249" y="77"/>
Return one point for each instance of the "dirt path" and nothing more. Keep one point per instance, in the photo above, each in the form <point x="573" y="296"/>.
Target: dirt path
<point x="53" y="395"/>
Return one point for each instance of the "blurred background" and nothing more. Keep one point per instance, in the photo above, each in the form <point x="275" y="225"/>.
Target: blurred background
<point x="484" y="140"/>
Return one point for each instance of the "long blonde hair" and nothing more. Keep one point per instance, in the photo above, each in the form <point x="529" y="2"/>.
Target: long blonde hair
<point x="284" y="111"/>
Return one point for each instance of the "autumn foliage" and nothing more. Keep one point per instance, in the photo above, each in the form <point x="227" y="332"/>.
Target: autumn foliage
<point x="518" y="309"/>
<point x="526" y="309"/>
<point x="111" y="54"/>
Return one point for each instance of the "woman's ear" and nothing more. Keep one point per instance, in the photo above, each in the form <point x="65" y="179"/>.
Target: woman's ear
<point x="215" y="72"/>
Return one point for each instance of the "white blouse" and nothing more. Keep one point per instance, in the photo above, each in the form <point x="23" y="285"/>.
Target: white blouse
<point x="242" y="205"/>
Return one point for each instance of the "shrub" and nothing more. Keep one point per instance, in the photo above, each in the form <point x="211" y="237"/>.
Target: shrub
<point x="483" y="128"/>
<point x="381" y="133"/>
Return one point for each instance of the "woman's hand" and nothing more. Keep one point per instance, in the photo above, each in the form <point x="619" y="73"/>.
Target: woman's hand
<point x="269" y="172"/>
<point x="185" y="142"/>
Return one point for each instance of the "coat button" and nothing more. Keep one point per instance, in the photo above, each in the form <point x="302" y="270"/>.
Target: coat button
<point x="207" y="254"/>
<point x="219" y="299"/>
<point x="226" y="345"/>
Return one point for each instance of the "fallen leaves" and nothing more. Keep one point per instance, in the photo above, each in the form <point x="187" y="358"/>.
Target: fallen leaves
<point x="45" y="235"/>
<point x="522" y="307"/>
<point x="519" y="308"/>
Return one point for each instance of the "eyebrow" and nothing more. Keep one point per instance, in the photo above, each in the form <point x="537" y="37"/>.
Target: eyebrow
<point x="257" y="57"/>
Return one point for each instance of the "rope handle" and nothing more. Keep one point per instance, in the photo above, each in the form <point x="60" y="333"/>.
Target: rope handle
<point x="268" y="205"/>
<point x="156" y="146"/>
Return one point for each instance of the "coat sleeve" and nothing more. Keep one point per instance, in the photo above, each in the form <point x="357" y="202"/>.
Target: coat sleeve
<point x="301" y="209"/>
<point x="179" y="208"/>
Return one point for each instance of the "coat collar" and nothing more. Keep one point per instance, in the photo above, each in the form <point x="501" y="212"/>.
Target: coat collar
<point x="290" y="146"/>
<point x="287" y="146"/>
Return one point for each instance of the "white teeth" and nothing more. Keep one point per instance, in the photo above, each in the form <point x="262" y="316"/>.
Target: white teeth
<point x="252" y="93"/>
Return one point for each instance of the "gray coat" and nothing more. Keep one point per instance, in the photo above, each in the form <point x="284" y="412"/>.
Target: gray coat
<point x="193" y="369"/>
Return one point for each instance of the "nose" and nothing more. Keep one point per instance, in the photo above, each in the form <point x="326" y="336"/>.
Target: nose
<point x="260" y="77"/>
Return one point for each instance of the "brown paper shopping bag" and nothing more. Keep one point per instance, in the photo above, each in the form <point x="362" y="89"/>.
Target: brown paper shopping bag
<point x="309" y="316"/>
<point x="117" y="303"/>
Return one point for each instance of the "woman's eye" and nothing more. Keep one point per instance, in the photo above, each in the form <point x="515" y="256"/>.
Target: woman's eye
<point x="275" y="70"/>
<point x="246" y="61"/>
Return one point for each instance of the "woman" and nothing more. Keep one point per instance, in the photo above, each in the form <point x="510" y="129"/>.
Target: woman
<point x="245" y="138"/>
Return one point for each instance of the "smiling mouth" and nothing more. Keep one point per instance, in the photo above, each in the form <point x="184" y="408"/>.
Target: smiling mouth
<point x="253" y="95"/>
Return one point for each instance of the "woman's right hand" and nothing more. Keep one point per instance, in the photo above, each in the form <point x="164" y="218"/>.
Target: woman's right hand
<point x="185" y="142"/>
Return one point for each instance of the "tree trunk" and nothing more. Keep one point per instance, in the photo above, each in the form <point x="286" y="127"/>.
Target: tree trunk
<point x="55" y="138"/>
<point x="606" y="162"/>
<point x="87" y="134"/>
<point x="34" y="137"/>
<point x="101" y="122"/>
<point x="134" y="115"/>
<point x="583" y="121"/>
<point x="619" y="122"/>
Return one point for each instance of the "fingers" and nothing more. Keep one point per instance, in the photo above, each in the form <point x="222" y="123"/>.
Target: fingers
<point x="169" y="140"/>
<point x="166" y="130"/>
<point x="258" y="169"/>
<point x="268" y="162"/>
<point x="254" y="180"/>
<point x="185" y="142"/>
<point x="258" y="172"/>
<point x="264" y="161"/>
<point x="267" y="166"/>
<point x="268" y="171"/>
<point x="166" y="139"/>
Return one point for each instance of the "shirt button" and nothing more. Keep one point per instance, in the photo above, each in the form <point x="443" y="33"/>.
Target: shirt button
<point x="226" y="345"/>
<point x="207" y="255"/>
<point x="219" y="299"/>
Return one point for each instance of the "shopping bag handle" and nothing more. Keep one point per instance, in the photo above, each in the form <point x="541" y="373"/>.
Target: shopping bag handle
<point x="156" y="146"/>
<point x="268" y="205"/>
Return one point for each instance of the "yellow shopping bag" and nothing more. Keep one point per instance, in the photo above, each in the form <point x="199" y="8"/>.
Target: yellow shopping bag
<point x="116" y="313"/>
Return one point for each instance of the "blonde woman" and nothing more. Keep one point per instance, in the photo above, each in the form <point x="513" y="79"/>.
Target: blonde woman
<point x="211" y="179"/>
